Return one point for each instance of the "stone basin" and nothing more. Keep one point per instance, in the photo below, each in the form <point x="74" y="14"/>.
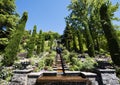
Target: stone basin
<point x="52" y="78"/>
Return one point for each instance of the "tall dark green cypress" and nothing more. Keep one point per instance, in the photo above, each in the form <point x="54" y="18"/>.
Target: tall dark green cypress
<point x="51" y="41"/>
<point x="110" y="34"/>
<point x="74" y="41"/>
<point x="13" y="46"/>
<point x="31" y="43"/>
<point x="67" y="37"/>
<point x="79" y="35"/>
<point x="43" y="43"/>
<point x="90" y="44"/>
<point x="39" y="42"/>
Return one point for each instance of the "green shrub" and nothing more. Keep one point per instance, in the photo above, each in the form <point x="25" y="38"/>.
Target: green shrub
<point x="71" y="56"/>
<point x="49" y="68"/>
<point x="52" y="54"/>
<point x="74" y="61"/>
<point x="88" y="64"/>
<point x="79" y="64"/>
<point x="6" y="74"/>
<point x="118" y="71"/>
<point x="65" y="55"/>
<point x="48" y="61"/>
<point x="74" y="68"/>
<point x="65" y="52"/>
<point x="41" y="64"/>
<point x="65" y="58"/>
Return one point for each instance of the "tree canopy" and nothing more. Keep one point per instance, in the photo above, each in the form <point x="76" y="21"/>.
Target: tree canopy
<point x="8" y="20"/>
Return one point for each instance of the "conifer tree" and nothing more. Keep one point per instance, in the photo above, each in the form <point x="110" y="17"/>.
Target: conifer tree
<point x="8" y="20"/>
<point x="110" y="34"/>
<point x="31" y="43"/>
<point x="51" y="41"/>
<point x="43" y="43"/>
<point x="39" y="42"/>
<point x="74" y="41"/>
<point x="80" y="16"/>
<point x="13" y="46"/>
<point x="80" y="41"/>
<point x="90" y="44"/>
<point x="67" y="37"/>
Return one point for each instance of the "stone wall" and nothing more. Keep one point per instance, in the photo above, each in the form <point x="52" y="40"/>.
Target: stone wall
<point x="20" y="77"/>
<point x="107" y="77"/>
<point x="101" y="77"/>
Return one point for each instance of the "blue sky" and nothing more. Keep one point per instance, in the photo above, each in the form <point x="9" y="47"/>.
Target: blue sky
<point x="47" y="14"/>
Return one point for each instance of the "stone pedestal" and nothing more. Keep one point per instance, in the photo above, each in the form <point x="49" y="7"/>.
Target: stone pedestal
<point x="33" y="76"/>
<point x="20" y="77"/>
<point x="108" y="77"/>
<point x="92" y="77"/>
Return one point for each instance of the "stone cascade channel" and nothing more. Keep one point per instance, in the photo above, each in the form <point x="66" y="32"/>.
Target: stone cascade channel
<point x="66" y="77"/>
<point x="58" y="66"/>
<point x="101" y="76"/>
<point x="60" y="77"/>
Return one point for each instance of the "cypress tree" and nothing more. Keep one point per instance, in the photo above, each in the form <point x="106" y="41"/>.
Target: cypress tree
<point x="8" y="17"/>
<point x="74" y="41"/>
<point x="80" y="15"/>
<point x="79" y="34"/>
<point x="90" y="44"/>
<point x="51" y="41"/>
<point x="31" y="43"/>
<point x="12" y="48"/>
<point x="43" y="43"/>
<point x="110" y="34"/>
<point x="39" y="42"/>
<point x="68" y="36"/>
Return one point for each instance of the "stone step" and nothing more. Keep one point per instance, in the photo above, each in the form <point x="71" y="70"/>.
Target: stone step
<point x="55" y="66"/>
<point x="60" y="68"/>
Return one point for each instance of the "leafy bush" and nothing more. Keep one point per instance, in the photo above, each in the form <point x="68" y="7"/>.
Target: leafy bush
<point x="74" y="61"/>
<point x="41" y="64"/>
<point x="65" y="52"/>
<point x="76" y="65"/>
<point x="71" y="56"/>
<point x="118" y="71"/>
<point x="52" y="54"/>
<point x="65" y="55"/>
<point x="48" y="61"/>
<point x="50" y="58"/>
<point x="88" y="64"/>
<point x="74" y="68"/>
<point x="1" y="58"/>
<point x="6" y="74"/>
<point x="79" y="64"/>
<point x="49" y="68"/>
